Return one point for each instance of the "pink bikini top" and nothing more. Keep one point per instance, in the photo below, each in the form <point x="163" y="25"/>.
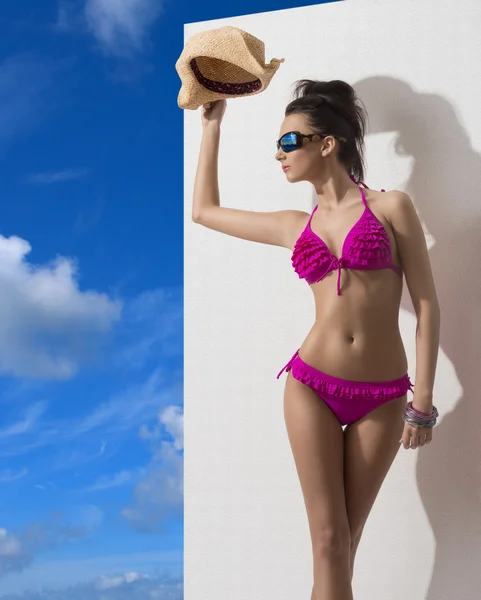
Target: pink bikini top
<point x="366" y="247"/>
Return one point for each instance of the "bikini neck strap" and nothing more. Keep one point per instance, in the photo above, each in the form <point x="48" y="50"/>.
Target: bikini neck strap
<point x="357" y="182"/>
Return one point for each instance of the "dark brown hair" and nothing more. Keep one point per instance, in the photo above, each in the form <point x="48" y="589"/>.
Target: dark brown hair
<point x="333" y="108"/>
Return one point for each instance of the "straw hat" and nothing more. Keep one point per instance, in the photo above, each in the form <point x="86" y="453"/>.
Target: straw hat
<point x="222" y="63"/>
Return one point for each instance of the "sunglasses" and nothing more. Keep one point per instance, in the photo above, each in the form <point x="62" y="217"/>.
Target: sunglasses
<point x="293" y="140"/>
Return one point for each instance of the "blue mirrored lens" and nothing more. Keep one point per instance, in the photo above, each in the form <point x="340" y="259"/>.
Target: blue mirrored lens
<point x="288" y="142"/>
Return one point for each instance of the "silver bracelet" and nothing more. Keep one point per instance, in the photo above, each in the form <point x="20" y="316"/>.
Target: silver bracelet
<point x="419" y="419"/>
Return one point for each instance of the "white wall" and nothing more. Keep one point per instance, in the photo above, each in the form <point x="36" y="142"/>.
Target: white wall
<point x="246" y="533"/>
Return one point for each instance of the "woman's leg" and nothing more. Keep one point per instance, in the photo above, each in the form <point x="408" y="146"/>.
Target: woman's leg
<point x="317" y="442"/>
<point x="370" y="446"/>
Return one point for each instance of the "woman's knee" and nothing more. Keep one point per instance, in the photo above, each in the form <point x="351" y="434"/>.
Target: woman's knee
<point x="355" y="538"/>
<point x="329" y="542"/>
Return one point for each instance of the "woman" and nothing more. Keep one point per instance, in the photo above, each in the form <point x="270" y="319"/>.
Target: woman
<point x="345" y="399"/>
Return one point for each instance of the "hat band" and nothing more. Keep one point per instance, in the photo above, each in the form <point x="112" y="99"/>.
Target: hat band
<point x="220" y="87"/>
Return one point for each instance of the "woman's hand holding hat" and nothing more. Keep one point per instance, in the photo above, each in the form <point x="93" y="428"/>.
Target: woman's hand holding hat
<point x="213" y="112"/>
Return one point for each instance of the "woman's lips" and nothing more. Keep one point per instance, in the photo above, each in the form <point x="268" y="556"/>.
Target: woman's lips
<point x="285" y="168"/>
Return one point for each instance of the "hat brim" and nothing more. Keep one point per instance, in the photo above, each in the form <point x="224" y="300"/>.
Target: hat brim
<point x="197" y="89"/>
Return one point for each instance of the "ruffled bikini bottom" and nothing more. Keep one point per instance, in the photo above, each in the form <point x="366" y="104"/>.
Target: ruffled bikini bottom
<point x="348" y="400"/>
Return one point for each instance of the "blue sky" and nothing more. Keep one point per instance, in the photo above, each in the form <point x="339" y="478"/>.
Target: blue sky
<point x="91" y="397"/>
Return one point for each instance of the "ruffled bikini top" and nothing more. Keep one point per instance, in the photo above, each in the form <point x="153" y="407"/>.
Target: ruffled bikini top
<point x="367" y="247"/>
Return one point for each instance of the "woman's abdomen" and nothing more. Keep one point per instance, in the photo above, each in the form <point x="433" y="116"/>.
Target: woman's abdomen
<point x="357" y="338"/>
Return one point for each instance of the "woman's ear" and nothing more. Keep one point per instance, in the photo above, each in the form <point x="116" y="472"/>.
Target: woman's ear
<point x="328" y="145"/>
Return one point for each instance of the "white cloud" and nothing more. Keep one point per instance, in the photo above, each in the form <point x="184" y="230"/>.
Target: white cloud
<point x="77" y="441"/>
<point x="80" y="522"/>
<point x="164" y="568"/>
<point x="110" y="481"/>
<point x="32" y="415"/>
<point x="107" y="583"/>
<point x="56" y="176"/>
<point x="173" y="422"/>
<point x="159" y="495"/>
<point x="43" y="487"/>
<point x="88" y="516"/>
<point x="48" y="326"/>
<point x="13" y="557"/>
<point x="172" y="418"/>
<point x="124" y="411"/>
<point x="128" y="586"/>
<point x="17" y="551"/>
<point x="9" y="545"/>
<point x="158" y="316"/>
<point x="121" y="26"/>
<point x="7" y="476"/>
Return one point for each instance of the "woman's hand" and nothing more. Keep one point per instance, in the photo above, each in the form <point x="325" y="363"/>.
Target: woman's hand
<point x="413" y="436"/>
<point x="213" y="112"/>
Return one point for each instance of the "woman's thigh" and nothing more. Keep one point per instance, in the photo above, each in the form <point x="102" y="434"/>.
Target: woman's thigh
<point x="370" y="446"/>
<point x="317" y="443"/>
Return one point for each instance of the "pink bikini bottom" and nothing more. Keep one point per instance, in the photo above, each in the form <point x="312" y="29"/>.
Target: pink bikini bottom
<point x="348" y="400"/>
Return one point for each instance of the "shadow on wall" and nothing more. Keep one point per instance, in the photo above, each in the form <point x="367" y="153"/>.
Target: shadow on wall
<point x="445" y="186"/>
